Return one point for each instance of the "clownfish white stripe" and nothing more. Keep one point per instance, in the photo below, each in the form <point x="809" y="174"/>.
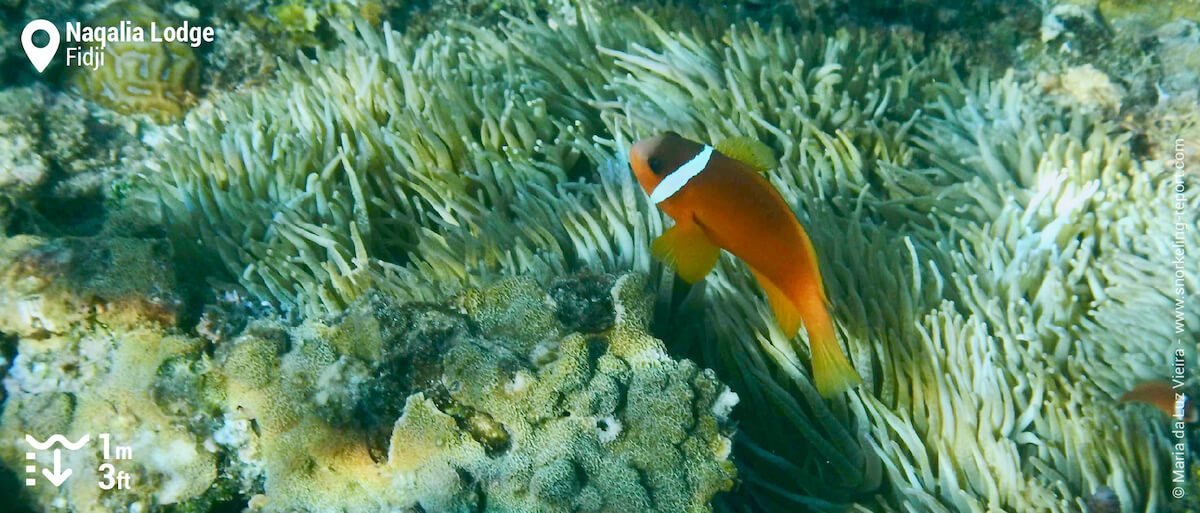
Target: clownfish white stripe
<point x="681" y="176"/>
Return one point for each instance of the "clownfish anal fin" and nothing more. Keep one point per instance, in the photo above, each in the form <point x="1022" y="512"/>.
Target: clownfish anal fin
<point x="686" y="248"/>
<point x="786" y="313"/>
<point x="749" y="152"/>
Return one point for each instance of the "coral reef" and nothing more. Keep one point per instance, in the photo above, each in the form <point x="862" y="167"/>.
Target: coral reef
<point x="1086" y="86"/>
<point x="997" y="250"/>
<point x="1147" y="13"/>
<point x="1179" y="47"/>
<point x="58" y="161"/>
<point x="90" y="317"/>
<point x="53" y="286"/>
<point x="1139" y="53"/>
<point x="22" y="168"/>
<point x="252" y="37"/>
<point x="549" y="421"/>
<point x="487" y="404"/>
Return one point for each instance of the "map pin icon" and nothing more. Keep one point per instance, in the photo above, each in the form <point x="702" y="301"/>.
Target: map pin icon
<point x="40" y="57"/>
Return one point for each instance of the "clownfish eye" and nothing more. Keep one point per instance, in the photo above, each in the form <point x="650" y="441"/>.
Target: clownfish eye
<point x="655" y="165"/>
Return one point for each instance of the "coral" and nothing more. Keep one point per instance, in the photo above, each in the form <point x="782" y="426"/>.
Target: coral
<point x="298" y="20"/>
<point x="1141" y="46"/>
<point x="552" y="421"/>
<point x="51" y="287"/>
<point x="579" y="305"/>
<point x="87" y="145"/>
<point x="57" y="160"/>
<point x="1179" y="49"/>
<point x="1149" y="13"/>
<point x="238" y="56"/>
<point x="252" y="38"/>
<point x="1072" y="22"/>
<point x="484" y="420"/>
<point x="94" y="355"/>
<point x="146" y="77"/>
<point x="449" y="407"/>
<point x="91" y="382"/>
<point x="1085" y="85"/>
<point x="22" y="167"/>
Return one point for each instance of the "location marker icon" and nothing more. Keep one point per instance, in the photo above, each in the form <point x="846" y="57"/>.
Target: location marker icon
<point x="40" y="57"/>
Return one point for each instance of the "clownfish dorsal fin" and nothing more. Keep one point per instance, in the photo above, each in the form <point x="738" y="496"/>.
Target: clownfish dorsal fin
<point x="686" y="248"/>
<point x="749" y="152"/>
<point x="786" y="313"/>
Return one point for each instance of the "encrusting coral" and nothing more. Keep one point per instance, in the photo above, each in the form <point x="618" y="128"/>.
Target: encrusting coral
<point x="541" y="420"/>
<point x="995" y="264"/>
<point x="91" y="317"/>
<point x="488" y="402"/>
<point x="51" y="286"/>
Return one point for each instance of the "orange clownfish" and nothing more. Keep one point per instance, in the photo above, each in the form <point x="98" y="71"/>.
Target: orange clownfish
<point x="1169" y="400"/>
<point x="719" y="201"/>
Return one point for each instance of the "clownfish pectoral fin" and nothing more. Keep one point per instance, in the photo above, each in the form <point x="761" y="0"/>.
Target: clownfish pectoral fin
<point x="748" y="151"/>
<point x="786" y="313"/>
<point x="686" y="248"/>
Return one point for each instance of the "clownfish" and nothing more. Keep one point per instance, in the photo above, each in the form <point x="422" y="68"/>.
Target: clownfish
<point x="719" y="201"/>
<point x="1166" y="398"/>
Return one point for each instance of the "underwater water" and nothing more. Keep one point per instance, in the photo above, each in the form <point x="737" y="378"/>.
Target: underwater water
<point x="599" y="256"/>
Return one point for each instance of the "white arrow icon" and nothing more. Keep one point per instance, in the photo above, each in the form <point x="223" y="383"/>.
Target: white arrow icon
<point x="40" y="57"/>
<point x="57" y="478"/>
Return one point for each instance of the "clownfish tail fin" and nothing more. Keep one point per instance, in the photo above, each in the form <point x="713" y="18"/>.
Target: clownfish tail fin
<point x="832" y="372"/>
<point x="686" y="248"/>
